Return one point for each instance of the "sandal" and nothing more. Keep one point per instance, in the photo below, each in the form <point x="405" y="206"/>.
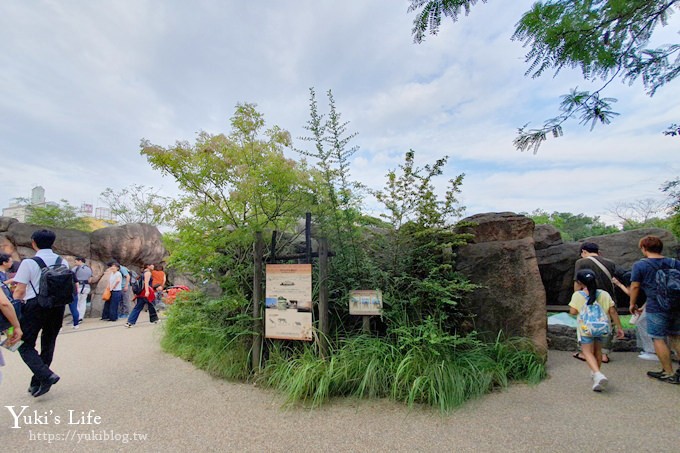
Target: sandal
<point x="577" y="356"/>
<point x="606" y="361"/>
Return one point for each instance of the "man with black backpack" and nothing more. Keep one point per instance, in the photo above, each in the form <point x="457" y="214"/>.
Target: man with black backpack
<point x="659" y="278"/>
<point x="45" y="283"/>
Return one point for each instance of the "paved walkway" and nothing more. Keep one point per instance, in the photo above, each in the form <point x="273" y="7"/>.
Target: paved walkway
<point x="147" y="400"/>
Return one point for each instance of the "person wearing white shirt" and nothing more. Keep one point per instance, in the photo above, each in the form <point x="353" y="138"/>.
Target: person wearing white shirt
<point x="36" y="318"/>
<point x="115" y="286"/>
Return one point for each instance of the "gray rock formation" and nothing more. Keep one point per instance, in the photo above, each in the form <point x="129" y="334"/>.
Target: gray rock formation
<point x="563" y="338"/>
<point x="556" y="259"/>
<point x="132" y="245"/>
<point x="501" y="258"/>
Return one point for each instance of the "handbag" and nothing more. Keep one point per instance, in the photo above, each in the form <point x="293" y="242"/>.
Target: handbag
<point x="107" y="295"/>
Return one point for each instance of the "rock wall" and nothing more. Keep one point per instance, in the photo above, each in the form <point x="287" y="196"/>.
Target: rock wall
<point x="501" y="257"/>
<point x="132" y="245"/>
<point x="563" y="338"/>
<point x="522" y="267"/>
<point x="556" y="259"/>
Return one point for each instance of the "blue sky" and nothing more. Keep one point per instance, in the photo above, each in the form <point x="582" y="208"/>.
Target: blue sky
<point x="82" y="82"/>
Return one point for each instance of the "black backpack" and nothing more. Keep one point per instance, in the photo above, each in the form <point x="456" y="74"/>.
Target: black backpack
<point x="137" y="282"/>
<point x="56" y="284"/>
<point x="667" y="278"/>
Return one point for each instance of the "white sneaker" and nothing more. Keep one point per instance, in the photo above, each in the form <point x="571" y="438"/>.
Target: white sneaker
<point x="600" y="382"/>
<point x="648" y="356"/>
<point x="76" y="327"/>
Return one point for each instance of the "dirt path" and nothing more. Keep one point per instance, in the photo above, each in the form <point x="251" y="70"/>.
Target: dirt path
<point x="147" y="400"/>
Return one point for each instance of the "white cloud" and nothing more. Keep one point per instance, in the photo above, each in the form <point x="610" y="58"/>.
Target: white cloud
<point x="82" y="82"/>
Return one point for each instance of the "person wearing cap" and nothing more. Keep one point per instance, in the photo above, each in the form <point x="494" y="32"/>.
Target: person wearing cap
<point x="604" y="270"/>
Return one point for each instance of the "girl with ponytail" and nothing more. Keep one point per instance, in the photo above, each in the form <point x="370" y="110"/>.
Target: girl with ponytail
<point x="590" y="302"/>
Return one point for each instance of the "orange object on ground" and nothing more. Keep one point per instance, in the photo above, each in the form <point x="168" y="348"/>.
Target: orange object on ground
<point x="171" y="293"/>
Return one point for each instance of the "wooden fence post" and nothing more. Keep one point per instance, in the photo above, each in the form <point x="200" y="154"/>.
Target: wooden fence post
<point x="324" y="325"/>
<point x="258" y="253"/>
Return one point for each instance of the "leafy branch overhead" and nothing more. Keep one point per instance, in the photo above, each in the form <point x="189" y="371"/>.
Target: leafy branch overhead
<point x="604" y="39"/>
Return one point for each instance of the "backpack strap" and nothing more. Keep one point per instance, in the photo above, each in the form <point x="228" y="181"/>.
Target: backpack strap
<point x="9" y="290"/>
<point x="601" y="266"/>
<point x="42" y="265"/>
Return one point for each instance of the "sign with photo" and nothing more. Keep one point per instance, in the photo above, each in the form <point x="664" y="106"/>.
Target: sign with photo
<point x="288" y="302"/>
<point x="367" y="302"/>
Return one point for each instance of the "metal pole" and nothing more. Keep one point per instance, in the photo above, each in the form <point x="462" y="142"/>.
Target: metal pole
<point x="257" y="302"/>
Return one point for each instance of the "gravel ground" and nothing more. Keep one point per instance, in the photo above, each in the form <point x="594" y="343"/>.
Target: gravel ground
<point x="146" y="400"/>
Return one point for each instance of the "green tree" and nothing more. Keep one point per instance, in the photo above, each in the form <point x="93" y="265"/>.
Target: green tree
<point x="672" y="190"/>
<point x="62" y="215"/>
<point x="573" y="226"/>
<point x="235" y="185"/>
<point x="137" y="204"/>
<point x="337" y="197"/>
<point x="422" y="282"/>
<point x="605" y="39"/>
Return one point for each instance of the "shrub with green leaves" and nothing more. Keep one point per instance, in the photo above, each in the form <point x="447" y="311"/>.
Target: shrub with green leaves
<point x="420" y="352"/>
<point x="213" y="334"/>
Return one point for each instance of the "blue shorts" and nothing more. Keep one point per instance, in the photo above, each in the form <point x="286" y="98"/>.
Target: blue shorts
<point x="660" y="325"/>
<point x="588" y="340"/>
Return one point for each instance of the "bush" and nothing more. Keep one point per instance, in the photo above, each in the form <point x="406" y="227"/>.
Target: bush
<point x="213" y="334"/>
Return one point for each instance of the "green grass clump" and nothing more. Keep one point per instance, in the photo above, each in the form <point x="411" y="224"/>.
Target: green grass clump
<point x="212" y="334"/>
<point x="444" y="373"/>
<point x="414" y="364"/>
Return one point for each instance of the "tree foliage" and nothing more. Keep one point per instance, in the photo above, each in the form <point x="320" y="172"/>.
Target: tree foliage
<point x="337" y="198"/>
<point x="137" y="204"/>
<point x="63" y="215"/>
<point x="604" y="39"/>
<point x="235" y="185"/>
<point x="672" y="190"/>
<point x="573" y="227"/>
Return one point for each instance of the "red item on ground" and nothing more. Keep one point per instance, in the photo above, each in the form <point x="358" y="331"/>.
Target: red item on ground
<point x="171" y="293"/>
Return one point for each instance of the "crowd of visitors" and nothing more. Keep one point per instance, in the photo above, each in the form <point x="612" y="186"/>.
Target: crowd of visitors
<point x="39" y="319"/>
<point x="594" y="303"/>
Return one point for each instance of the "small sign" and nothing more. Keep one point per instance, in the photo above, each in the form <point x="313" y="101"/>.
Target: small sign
<point x="365" y="302"/>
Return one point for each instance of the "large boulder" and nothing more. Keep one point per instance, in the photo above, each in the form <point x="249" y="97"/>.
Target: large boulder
<point x="132" y="244"/>
<point x="68" y="242"/>
<point x="546" y="236"/>
<point x="6" y="246"/>
<point x="556" y="260"/>
<point x="622" y="248"/>
<point x="502" y="260"/>
<point x="5" y="223"/>
<point x="556" y="265"/>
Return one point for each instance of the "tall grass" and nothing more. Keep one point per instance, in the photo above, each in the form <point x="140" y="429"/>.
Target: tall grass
<point x="213" y="334"/>
<point x="444" y="376"/>
<point x="414" y="364"/>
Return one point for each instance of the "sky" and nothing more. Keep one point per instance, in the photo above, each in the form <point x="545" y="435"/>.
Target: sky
<point x="83" y="82"/>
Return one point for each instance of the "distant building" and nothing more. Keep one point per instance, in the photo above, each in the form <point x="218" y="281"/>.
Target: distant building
<point x="103" y="214"/>
<point x="19" y="210"/>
